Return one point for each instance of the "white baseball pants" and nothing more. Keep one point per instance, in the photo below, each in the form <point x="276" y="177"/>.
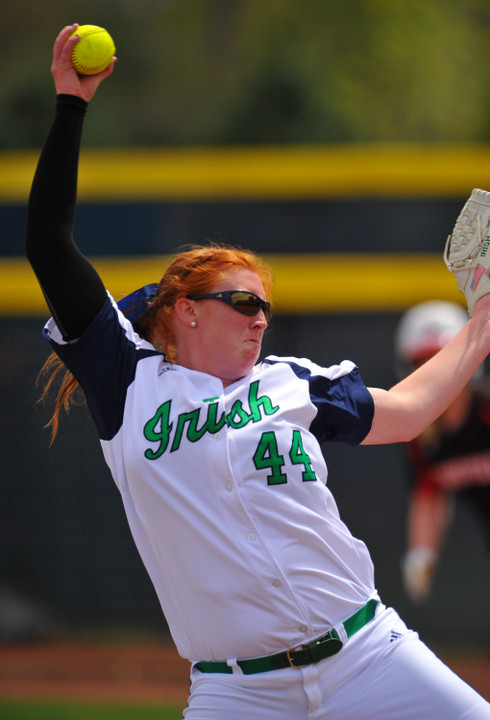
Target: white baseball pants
<point x="384" y="672"/>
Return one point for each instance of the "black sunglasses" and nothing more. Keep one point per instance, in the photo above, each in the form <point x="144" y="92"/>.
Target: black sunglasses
<point x="245" y="302"/>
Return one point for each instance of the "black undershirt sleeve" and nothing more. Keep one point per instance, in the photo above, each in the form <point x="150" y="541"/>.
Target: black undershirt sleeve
<point x="72" y="287"/>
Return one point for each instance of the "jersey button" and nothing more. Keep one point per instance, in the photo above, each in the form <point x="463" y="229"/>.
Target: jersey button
<point x="217" y="436"/>
<point x="251" y="536"/>
<point x="277" y="583"/>
<point x="228" y="487"/>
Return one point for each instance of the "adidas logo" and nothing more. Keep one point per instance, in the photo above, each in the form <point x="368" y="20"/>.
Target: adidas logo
<point x="394" y="636"/>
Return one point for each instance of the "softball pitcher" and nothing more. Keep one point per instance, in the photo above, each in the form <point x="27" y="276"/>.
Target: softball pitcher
<point x="218" y="460"/>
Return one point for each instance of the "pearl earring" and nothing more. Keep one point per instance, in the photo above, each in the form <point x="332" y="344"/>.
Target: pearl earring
<point x="193" y="323"/>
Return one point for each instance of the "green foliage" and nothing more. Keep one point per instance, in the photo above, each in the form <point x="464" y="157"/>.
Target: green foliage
<point x="260" y="71"/>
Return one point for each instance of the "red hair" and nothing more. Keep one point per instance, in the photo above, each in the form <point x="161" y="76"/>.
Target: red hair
<point x="192" y="272"/>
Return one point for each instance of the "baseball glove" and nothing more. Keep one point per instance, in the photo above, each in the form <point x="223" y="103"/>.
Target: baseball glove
<point x="467" y="252"/>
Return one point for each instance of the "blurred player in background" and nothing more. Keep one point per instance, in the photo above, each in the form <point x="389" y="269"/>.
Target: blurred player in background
<point x="451" y="457"/>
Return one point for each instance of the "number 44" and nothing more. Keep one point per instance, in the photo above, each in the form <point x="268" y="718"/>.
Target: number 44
<point x="267" y="455"/>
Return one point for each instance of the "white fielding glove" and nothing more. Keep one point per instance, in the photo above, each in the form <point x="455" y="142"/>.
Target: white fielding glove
<point x="418" y="567"/>
<point x="467" y="252"/>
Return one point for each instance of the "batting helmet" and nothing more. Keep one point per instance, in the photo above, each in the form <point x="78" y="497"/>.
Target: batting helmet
<point x="424" y="329"/>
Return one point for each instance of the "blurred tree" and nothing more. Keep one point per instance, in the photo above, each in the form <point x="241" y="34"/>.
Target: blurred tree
<point x="249" y="71"/>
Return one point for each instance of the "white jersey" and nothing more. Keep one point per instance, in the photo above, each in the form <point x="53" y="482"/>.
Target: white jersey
<point x="225" y="488"/>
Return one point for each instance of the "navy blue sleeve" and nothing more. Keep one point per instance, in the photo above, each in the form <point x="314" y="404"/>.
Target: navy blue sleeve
<point x="344" y="404"/>
<point x="103" y="361"/>
<point x="345" y="408"/>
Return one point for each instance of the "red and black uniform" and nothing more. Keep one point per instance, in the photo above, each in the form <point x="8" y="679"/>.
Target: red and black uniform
<point x="459" y="461"/>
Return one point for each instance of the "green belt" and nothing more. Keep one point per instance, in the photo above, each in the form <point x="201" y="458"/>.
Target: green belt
<point x="300" y="655"/>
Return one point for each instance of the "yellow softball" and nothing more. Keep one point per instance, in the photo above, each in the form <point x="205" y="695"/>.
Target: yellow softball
<point x="94" y="51"/>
